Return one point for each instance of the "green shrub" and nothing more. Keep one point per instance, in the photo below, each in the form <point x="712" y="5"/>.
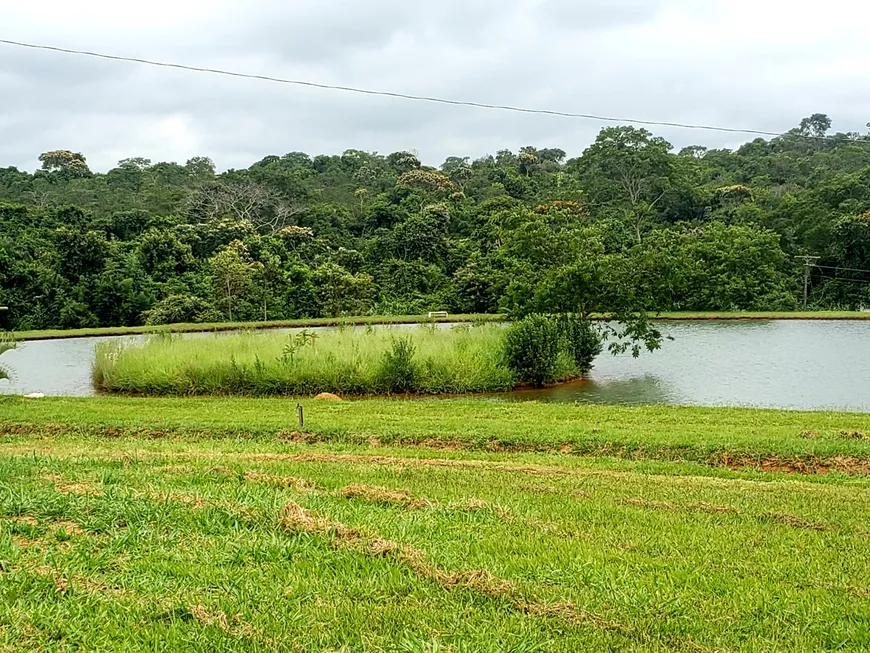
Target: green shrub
<point x="531" y="348"/>
<point x="181" y="308"/>
<point x="398" y="373"/>
<point x="581" y="341"/>
<point x="296" y="343"/>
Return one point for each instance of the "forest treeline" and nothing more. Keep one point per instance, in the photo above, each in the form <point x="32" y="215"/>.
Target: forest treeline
<point x="628" y="225"/>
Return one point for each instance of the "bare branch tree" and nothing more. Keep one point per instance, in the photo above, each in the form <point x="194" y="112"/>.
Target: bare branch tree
<point x="260" y="205"/>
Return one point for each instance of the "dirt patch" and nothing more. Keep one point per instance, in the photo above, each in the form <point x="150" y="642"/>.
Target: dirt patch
<point x="79" y="488"/>
<point x="298" y="438"/>
<point x="853" y="435"/>
<point x="189" y="499"/>
<point x="863" y="592"/>
<point x="210" y="617"/>
<point x="283" y="482"/>
<point x="24" y="543"/>
<point x="25" y="520"/>
<point x="61" y="584"/>
<point x="847" y="465"/>
<point x="234" y="626"/>
<point x="810" y="435"/>
<point x="67" y="529"/>
<point x="384" y="496"/>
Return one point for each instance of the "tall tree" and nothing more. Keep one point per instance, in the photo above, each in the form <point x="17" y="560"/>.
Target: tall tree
<point x="629" y="171"/>
<point x="70" y="164"/>
<point x="232" y="272"/>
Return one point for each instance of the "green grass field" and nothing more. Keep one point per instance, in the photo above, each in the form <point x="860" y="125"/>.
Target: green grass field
<point x="735" y="436"/>
<point x="209" y="524"/>
<point x="53" y="334"/>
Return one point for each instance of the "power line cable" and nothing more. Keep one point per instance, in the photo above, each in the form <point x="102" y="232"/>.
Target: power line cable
<point x="846" y="279"/>
<point x="404" y="96"/>
<point x="831" y="267"/>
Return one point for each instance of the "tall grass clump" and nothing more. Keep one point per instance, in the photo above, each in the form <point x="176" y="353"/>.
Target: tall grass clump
<point x="398" y="371"/>
<point x="7" y="343"/>
<point x="421" y="360"/>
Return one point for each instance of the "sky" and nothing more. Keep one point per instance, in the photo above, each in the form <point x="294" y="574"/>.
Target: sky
<point x="756" y="64"/>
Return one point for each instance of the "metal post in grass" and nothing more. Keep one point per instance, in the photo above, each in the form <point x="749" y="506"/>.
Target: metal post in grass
<point x="301" y="416"/>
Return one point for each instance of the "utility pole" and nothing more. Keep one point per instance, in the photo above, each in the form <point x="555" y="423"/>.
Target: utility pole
<point x="809" y="263"/>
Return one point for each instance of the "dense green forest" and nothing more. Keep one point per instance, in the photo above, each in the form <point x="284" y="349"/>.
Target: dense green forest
<point x="628" y="225"/>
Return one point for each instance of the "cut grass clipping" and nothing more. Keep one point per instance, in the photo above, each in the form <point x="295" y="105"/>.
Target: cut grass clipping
<point x="421" y="360"/>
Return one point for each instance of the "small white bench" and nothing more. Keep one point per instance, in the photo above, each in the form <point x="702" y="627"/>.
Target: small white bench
<point x="434" y="314"/>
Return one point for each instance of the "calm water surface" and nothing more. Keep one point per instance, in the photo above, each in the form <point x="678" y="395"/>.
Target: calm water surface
<point x="778" y="364"/>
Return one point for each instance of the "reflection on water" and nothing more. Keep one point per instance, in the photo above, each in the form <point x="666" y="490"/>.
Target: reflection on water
<point x="776" y="364"/>
<point x="646" y="389"/>
<point x="783" y="364"/>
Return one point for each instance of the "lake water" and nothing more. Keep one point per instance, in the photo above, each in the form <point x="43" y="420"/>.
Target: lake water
<point x="777" y="364"/>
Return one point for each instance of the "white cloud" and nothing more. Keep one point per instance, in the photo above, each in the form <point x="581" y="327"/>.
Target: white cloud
<point x="760" y="64"/>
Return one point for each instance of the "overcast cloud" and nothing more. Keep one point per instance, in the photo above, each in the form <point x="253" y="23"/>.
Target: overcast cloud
<point x="761" y="64"/>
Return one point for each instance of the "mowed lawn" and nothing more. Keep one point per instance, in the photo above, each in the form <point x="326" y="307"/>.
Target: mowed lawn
<point x="194" y="540"/>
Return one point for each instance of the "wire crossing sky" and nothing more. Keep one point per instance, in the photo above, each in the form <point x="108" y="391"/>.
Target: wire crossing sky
<point x="171" y="80"/>
<point x="392" y="94"/>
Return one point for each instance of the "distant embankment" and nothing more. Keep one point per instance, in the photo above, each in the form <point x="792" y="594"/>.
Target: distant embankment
<point x="364" y="320"/>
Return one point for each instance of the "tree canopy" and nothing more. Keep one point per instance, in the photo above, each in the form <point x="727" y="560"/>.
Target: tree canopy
<point x="630" y="225"/>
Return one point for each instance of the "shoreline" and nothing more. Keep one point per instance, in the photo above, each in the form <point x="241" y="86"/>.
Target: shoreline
<point x="219" y="327"/>
<point x="386" y="320"/>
